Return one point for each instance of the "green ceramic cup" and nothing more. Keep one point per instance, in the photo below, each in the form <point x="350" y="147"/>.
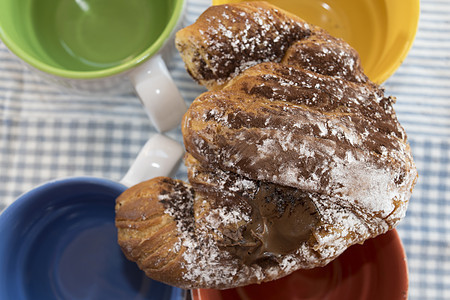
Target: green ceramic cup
<point x="105" y="46"/>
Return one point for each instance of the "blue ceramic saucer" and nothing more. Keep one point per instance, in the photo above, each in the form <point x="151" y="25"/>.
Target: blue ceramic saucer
<point x="58" y="241"/>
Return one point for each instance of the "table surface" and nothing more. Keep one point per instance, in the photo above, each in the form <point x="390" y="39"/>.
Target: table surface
<point x="47" y="134"/>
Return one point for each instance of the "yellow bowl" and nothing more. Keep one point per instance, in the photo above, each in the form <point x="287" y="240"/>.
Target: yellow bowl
<point x="382" y="31"/>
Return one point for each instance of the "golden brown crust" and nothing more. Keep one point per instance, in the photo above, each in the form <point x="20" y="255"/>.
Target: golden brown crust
<point x="326" y="55"/>
<point x="304" y="130"/>
<point x="147" y="234"/>
<point x="294" y="156"/>
<point x="227" y="39"/>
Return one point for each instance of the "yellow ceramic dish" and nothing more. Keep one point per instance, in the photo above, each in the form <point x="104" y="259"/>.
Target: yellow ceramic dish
<point x="382" y="31"/>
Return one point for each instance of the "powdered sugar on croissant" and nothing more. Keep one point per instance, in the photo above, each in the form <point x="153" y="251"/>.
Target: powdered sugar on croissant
<point x="294" y="156"/>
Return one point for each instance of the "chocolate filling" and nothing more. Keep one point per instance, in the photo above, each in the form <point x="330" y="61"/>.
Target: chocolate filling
<point x="282" y="220"/>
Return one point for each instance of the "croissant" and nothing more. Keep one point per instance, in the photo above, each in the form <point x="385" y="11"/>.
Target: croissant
<point x="293" y="156"/>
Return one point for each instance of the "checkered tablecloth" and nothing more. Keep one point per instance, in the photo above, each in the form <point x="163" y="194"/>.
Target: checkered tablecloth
<point x="47" y="134"/>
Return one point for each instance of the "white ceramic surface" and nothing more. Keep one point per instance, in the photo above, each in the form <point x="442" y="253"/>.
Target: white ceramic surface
<point x="160" y="156"/>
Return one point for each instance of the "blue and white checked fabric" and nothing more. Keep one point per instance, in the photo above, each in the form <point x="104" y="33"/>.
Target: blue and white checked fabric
<point x="422" y="88"/>
<point x="47" y="134"/>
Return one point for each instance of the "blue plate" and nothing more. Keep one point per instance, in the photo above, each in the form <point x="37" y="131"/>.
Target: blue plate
<point x="59" y="241"/>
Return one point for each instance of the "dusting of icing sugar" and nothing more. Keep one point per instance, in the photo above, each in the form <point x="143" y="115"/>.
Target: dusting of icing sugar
<point x="213" y="267"/>
<point x="347" y="132"/>
<point x="374" y="186"/>
<point x="349" y="157"/>
<point x="289" y="263"/>
<point x="238" y="45"/>
<point x="217" y="115"/>
<point x="225" y="216"/>
<point x="206" y="267"/>
<point x="205" y="264"/>
<point x="323" y="129"/>
<point x="341" y="227"/>
<point x="201" y="267"/>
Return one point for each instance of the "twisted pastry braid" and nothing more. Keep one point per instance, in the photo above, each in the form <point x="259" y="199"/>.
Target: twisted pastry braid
<point x="293" y="156"/>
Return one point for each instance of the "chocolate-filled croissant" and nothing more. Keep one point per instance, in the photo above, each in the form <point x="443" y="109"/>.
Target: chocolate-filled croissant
<point x="293" y="156"/>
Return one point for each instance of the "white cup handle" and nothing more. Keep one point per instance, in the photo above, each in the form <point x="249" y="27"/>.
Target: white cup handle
<point x="160" y="96"/>
<point x="160" y="156"/>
